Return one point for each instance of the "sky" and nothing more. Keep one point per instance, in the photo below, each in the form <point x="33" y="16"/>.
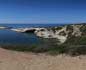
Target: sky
<point x="42" y="11"/>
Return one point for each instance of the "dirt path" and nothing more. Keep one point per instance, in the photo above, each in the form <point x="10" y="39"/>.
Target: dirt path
<point x="10" y="60"/>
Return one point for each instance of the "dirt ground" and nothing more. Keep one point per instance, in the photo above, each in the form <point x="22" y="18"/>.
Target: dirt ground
<point x="12" y="60"/>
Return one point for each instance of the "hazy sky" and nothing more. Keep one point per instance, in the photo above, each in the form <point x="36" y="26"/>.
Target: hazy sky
<point x="42" y="11"/>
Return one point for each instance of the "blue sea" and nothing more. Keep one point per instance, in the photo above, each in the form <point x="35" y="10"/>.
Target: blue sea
<point x="30" y="25"/>
<point x="14" y="38"/>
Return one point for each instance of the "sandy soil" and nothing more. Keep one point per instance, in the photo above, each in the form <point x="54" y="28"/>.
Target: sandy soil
<point x="11" y="60"/>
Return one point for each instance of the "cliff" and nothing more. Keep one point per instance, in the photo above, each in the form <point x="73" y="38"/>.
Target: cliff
<point x="64" y="34"/>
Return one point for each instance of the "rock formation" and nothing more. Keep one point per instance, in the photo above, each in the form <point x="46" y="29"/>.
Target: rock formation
<point x="3" y="27"/>
<point x="62" y="33"/>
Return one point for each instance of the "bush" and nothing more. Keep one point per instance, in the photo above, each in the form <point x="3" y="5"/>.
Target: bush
<point x="72" y="50"/>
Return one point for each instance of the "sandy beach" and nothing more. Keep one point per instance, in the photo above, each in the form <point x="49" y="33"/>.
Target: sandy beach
<point x="12" y="60"/>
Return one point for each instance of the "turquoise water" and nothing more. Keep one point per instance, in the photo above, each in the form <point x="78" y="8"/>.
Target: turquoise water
<point x="10" y="37"/>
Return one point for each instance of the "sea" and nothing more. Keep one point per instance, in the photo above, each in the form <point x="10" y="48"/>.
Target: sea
<point x="8" y="37"/>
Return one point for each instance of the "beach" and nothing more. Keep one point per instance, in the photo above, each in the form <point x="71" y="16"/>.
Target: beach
<point x="13" y="60"/>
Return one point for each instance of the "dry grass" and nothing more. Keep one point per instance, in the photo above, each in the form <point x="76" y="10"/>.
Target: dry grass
<point x="11" y="60"/>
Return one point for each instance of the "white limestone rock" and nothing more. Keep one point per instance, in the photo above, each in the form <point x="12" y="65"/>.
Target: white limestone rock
<point x="61" y="33"/>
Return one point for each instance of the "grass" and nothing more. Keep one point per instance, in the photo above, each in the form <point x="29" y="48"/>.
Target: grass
<point x="72" y="50"/>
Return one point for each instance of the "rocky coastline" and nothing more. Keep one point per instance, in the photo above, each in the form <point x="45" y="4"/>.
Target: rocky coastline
<point x="61" y="33"/>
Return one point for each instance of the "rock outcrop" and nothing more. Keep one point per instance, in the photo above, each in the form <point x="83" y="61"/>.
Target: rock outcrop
<point x="62" y="33"/>
<point x="3" y="27"/>
<point x="26" y="30"/>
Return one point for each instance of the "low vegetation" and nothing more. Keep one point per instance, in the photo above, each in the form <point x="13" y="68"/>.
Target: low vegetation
<point x="73" y="50"/>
